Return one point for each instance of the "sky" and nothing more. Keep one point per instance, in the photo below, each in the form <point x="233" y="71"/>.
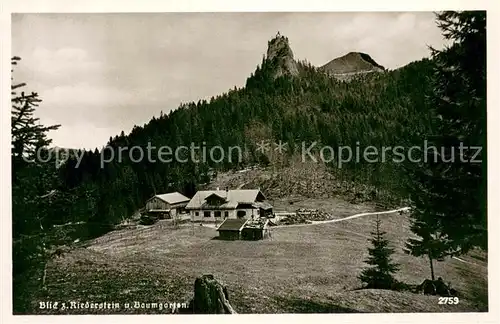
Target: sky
<point x="100" y="73"/>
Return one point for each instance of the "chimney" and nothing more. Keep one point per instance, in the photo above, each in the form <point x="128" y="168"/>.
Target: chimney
<point x="227" y="189"/>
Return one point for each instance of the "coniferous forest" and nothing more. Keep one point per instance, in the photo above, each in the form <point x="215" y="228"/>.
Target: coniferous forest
<point x="440" y="99"/>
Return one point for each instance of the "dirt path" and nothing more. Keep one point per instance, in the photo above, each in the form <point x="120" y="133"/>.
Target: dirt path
<point x="468" y="262"/>
<point x="331" y="220"/>
<point x="347" y="218"/>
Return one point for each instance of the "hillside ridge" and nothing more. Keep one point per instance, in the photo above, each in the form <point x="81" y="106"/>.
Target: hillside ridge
<point x="351" y="63"/>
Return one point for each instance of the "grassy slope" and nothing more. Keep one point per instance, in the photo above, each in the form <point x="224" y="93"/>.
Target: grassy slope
<point x="302" y="269"/>
<point x="295" y="180"/>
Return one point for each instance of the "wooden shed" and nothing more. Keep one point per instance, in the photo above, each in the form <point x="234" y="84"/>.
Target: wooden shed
<point x="230" y="229"/>
<point x="167" y="205"/>
<point x="255" y="230"/>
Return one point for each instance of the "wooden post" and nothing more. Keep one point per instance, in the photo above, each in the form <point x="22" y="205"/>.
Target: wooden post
<point x="192" y="222"/>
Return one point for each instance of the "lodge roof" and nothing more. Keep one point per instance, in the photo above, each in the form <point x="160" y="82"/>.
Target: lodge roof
<point x="231" y="198"/>
<point x="172" y="198"/>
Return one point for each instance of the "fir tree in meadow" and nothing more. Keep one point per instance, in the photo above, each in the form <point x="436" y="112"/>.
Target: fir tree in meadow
<point x="380" y="273"/>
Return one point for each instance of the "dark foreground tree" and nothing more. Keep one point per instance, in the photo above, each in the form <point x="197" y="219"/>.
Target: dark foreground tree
<point x="33" y="201"/>
<point x="448" y="189"/>
<point x="380" y="274"/>
<point x="430" y="244"/>
<point x="28" y="134"/>
<point x="30" y="178"/>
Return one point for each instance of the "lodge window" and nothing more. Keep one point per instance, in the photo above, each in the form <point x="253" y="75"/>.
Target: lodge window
<point x="217" y="214"/>
<point x="226" y="214"/>
<point x="241" y="213"/>
<point x="196" y="214"/>
<point x="206" y="214"/>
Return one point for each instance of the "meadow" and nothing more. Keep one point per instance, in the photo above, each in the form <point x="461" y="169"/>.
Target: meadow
<point x="302" y="269"/>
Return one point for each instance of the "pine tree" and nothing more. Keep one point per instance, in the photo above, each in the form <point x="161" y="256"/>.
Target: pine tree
<point x="448" y="191"/>
<point x="431" y="244"/>
<point x="380" y="274"/>
<point x="29" y="180"/>
<point x="28" y="134"/>
<point x="460" y="100"/>
<point x="36" y="203"/>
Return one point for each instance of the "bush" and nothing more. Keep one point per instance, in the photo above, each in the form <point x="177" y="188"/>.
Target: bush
<point x="147" y="220"/>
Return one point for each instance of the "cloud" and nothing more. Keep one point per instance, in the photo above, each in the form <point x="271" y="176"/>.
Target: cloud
<point x="87" y="95"/>
<point x="103" y="105"/>
<point x="62" y="66"/>
<point x="82" y="135"/>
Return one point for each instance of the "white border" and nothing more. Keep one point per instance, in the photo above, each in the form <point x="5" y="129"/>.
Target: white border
<point x="255" y="5"/>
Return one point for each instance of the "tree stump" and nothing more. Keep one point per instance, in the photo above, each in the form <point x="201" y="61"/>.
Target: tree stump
<point x="210" y="297"/>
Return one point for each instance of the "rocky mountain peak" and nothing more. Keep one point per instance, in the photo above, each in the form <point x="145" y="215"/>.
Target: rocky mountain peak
<point x="280" y="54"/>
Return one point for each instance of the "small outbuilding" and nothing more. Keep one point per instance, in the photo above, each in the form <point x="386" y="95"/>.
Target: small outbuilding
<point x="167" y="205"/>
<point x="230" y="229"/>
<point x="244" y="229"/>
<point x="255" y="230"/>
